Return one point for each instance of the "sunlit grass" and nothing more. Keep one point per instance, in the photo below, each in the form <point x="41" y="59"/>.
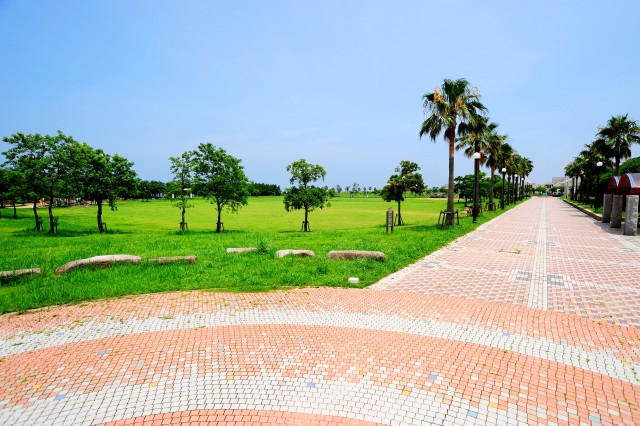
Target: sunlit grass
<point x="151" y="229"/>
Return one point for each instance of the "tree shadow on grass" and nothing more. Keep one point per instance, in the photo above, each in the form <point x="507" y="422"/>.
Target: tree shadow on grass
<point x="66" y="233"/>
<point x="207" y="232"/>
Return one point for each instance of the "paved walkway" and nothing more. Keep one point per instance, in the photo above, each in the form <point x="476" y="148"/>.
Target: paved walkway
<point x="532" y="319"/>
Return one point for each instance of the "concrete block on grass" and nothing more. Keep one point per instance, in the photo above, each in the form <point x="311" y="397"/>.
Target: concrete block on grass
<point x="98" y="261"/>
<point x="356" y="254"/>
<point x="11" y="275"/>
<point x="174" y="259"/>
<point x="232" y="250"/>
<point x="303" y="253"/>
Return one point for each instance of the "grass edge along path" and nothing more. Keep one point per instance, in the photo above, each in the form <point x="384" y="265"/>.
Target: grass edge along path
<point x="150" y="230"/>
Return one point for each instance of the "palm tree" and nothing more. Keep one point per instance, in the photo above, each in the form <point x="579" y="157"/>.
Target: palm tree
<point x="492" y="149"/>
<point x="504" y="160"/>
<point x="474" y="136"/>
<point x="526" y="167"/>
<point x="619" y="134"/>
<point x="511" y="162"/>
<point x="517" y="171"/>
<point x="453" y="103"/>
<point x="571" y="170"/>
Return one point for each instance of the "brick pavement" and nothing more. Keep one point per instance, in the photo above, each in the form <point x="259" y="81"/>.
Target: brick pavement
<point x="531" y="319"/>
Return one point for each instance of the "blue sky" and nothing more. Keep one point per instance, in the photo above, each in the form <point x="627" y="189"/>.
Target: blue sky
<point x="338" y="83"/>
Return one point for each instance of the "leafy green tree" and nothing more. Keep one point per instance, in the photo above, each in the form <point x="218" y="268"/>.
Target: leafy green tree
<point x="405" y="179"/>
<point x="102" y="177"/>
<point x="619" y="134"/>
<point x="182" y="171"/>
<point x="220" y="178"/>
<point x="10" y="187"/>
<point x="631" y="166"/>
<point x="147" y="189"/>
<point x="355" y="189"/>
<point x="44" y="162"/>
<point x="5" y="187"/>
<point x="454" y="102"/>
<point x="264" y="189"/>
<point x="463" y="186"/>
<point x="305" y="196"/>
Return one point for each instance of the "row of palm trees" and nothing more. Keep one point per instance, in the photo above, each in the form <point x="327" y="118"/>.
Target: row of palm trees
<point x="455" y="108"/>
<point x="611" y="146"/>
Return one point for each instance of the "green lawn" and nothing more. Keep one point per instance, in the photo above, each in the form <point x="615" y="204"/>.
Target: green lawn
<point x="150" y="229"/>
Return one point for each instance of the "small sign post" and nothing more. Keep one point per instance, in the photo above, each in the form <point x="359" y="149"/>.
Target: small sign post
<point x="390" y="221"/>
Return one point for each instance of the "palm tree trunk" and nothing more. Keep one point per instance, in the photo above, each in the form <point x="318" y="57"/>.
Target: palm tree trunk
<point x="491" y="185"/>
<point x="452" y="141"/>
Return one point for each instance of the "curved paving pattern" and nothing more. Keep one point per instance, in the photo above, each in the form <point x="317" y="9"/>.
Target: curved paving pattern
<point x="529" y="320"/>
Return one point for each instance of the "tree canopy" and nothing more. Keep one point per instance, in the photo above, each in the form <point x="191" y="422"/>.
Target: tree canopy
<point x="303" y="196"/>
<point x="220" y="178"/>
<point x="453" y="103"/>
<point x="405" y="179"/>
<point x="102" y="177"/>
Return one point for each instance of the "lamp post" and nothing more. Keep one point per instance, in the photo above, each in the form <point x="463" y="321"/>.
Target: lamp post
<point x="476" y="188"/>
<point x="596" y="201"/>
<point x="504" y="170"/>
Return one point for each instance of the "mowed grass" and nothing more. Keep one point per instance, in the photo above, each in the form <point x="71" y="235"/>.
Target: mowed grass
<point x="150" y="229"/>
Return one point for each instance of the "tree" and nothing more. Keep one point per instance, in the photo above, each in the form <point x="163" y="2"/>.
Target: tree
<point x="182" y="171"/>
<point x="44" y="162"/>
<point x="220" y="178"/>
<point x="264" y="189"/>
<point x="338" y="189"/>
<point x="305" y="196"/>
<point x="619" y="134"/>
<point x="355" y="188"/>
<point x="102" y="177"/>
<point x="492" y="158"/>
<point x="475" y="136"/>
<point x="406" y="179"/>
<point x="448" y="105"/>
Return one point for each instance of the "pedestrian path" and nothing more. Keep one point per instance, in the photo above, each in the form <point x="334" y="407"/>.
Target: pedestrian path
<point x="531" y="319"/>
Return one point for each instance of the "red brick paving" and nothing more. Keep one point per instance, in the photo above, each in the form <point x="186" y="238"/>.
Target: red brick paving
<point x="531" y="319"/>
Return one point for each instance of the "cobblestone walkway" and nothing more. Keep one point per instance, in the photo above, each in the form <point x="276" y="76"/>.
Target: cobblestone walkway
<point x="531" y="319"/>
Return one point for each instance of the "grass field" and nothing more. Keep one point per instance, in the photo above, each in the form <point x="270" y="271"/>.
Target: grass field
<point x="150" y="229"/>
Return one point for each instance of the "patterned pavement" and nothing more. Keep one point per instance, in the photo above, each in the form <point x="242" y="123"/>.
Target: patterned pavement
<point x="531" y="319"/>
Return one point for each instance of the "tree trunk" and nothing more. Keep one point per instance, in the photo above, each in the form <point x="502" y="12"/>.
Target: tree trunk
<point x="617" y="167"/>
<point x="51" y="228"/>
<point x="219" y="223"/>
<point x="491" y="186"/>
<point x="452" y="145"/>
<point x="400" y="222"/>
<point x="15" y="210"/>
<point x="35" y="214"/>
<point x="476" y="186"/>
<point x="100" y="227"/>
<point x="183" y="211"/>
<point x="306" y="220"/>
